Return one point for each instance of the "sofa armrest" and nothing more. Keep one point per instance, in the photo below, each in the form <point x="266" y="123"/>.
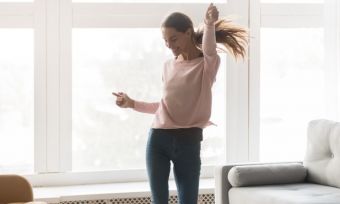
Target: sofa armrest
<point x="222" y="184"/>
<point x="267" y="174"/>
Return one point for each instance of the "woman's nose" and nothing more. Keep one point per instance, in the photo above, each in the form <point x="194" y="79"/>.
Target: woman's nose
<point x="169" y="45"/>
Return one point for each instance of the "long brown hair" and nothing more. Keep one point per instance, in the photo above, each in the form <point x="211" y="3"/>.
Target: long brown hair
<point x="232" y="37"/>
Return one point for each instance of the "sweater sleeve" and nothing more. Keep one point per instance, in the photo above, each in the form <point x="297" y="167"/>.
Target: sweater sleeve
<point x="211" y="58"/>
<point x="145" y="107"/>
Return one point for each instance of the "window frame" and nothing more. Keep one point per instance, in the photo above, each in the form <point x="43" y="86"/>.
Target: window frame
<point x="52" y="21"/>
<point x="272" y="15"/>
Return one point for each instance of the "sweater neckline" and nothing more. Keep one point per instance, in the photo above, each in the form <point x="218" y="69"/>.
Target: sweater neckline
<point x="187" y="61"/>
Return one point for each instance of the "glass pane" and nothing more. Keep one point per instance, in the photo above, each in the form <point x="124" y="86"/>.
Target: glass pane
<point x="292" y="90"/>
<point x="106" y="60"/>
<point x="213" y="148"/>
<point x="16" y="101"/>
<point x="292" y="1"/>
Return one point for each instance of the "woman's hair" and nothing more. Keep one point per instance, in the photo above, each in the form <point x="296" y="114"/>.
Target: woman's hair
<point x="234" y="38"/>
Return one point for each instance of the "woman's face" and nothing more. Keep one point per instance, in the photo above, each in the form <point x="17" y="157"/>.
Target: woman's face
<point x="177" y="42"/>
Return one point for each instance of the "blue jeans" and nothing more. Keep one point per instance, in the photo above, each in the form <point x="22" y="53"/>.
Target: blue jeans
<point x="182" y="147"/>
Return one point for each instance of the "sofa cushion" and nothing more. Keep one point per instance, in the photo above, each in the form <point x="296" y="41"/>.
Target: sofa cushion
<point x="267" y="174"/>
<point x="322" y="157"/>
<point x="285" y="194"/>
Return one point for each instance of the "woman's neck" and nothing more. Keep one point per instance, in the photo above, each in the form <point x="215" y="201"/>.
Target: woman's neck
<point x="192" y="53"/>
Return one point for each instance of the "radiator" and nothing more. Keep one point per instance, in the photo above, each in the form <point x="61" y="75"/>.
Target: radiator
<point x="203" y="199"/>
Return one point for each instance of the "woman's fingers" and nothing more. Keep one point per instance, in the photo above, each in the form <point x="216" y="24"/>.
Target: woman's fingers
<point x="211" y="14"/>
<point x="120" y="96"/>
<point x="212" y="7"/>
<point x="115" y="94"/>
<point x="119" y="99"/>
<point x="120" y="103"/>
<point x="122" y="99"/>
<point x="213" y="11"/>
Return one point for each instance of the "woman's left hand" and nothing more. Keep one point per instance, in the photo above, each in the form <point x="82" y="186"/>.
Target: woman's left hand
<point x="211" y="16"/>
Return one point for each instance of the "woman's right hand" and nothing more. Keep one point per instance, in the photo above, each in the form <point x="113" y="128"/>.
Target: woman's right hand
<point x="123" y="100"/>
<point x="211" y="15"/>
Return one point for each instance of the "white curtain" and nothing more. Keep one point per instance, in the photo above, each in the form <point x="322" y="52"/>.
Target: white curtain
<point x="332" y="58"/>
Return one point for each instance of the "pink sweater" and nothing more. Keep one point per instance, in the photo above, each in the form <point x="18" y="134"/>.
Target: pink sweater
<point x="186" y="100"/>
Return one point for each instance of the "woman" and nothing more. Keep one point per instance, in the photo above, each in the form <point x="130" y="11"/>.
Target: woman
<point x="185" y="107"/>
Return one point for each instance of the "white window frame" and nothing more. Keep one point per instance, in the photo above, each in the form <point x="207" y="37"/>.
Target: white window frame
<point x="332" y="59"/>
<point x="52" y="21"/>
<point x="276" y="15"/>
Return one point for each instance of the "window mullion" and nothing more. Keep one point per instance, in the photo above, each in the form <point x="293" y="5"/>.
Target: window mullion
<point x="40" y="88"/>
<point x="254" y="79"/>
<point x="332" y="53"/>
<point x="65" y="119"/>
<point x="237" y="140"/>
<point x="53" y="85"/>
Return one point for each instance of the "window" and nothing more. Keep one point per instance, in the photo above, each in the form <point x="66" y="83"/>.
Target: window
<point x="82" y="51"/>
<point x="107" y="60"/>
<point x="59" y="63"/>
<point x="16" y="101"/>
<point x="297" y="75"/>
<point x="106" y="137"/>
<point x="292" y="90"/>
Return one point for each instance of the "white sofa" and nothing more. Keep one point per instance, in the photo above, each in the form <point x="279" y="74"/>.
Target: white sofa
<point x="316" y="180"/>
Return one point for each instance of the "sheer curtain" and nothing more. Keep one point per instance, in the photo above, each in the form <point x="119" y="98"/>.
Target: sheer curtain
<point x="332" y="58"/>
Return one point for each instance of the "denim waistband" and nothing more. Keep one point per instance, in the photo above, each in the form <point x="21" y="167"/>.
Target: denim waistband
<point x="185" y="135"/>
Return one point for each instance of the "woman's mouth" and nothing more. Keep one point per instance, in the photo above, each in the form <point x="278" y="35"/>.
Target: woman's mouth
<point x="175" y="50"/>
